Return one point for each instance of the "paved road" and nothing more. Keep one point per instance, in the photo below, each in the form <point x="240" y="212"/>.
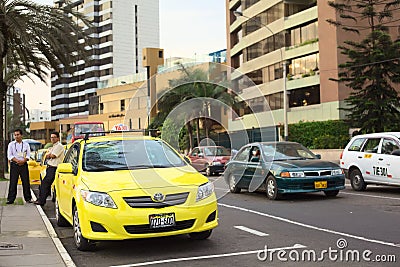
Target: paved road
<point x="346" y="226"/>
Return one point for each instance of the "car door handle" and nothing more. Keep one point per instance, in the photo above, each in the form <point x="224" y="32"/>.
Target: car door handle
<point x="380" y="159"/>
<point x="359" y="157"/>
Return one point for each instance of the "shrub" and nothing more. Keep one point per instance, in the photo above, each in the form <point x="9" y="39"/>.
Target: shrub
<point x="320" y="134"/>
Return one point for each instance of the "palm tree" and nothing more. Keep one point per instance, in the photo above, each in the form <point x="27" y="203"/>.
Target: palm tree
<point x="193" y="84"/>
<point x="34" y="38"/>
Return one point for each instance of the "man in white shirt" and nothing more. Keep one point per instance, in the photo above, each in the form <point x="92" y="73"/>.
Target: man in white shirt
<point x="55" y="156"/>
<point x="18" y="154"/>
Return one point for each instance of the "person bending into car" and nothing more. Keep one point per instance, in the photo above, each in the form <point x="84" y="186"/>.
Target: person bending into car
<point x="18" y="154"/>
<point x="54" y="157"/>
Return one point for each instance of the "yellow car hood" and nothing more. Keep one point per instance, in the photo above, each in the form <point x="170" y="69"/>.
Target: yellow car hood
<point x="142" y="179"/>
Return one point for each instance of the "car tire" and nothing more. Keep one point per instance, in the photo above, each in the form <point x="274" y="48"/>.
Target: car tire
<point x="81" y="242"/>
<point x="331" y="193"/>
<point x="233" y="186"/>
<point x="53" y="195"/>
<point x="200" y="235"/>
<point x="357" y="180"/>
<point x="272" y="188"/>
<point x="60" y="220"/>
<point x="208" y="171"/>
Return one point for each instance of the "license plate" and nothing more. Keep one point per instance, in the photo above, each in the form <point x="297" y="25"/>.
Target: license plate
<point x="320" y="184"/>
<point x="162" y="220"/>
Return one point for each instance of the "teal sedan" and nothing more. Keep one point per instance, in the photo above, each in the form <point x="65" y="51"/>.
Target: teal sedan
<point x="279" y="168"/>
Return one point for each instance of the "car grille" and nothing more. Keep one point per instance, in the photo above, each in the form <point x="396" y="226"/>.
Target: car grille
<point x="310" y="185"/>
<point x="147" y="201"/>
<point x="318" y="173"/>
<point x="145" y="228"/>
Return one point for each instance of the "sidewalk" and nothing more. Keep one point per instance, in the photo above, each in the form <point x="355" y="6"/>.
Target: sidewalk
<point x="27" y="237"/>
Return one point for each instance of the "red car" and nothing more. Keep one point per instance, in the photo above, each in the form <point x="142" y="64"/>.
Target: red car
<point x="211" y="159"/>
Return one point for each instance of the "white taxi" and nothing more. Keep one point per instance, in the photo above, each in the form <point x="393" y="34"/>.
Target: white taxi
<point x="372" y="159"/>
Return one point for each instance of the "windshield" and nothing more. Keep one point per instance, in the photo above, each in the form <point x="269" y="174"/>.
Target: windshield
<point x="34" y="146"/>
<point x="129" y="154"/>
<point x="216" y="151"/>
<point x="286" y="151"/>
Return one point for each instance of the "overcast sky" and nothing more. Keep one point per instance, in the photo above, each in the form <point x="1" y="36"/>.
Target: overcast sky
<point x="187" y="27"/>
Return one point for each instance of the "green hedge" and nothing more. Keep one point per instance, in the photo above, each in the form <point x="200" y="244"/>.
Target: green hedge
<point x="320" y="134"/>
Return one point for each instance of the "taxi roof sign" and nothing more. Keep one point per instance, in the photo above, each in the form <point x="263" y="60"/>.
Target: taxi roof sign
<point x="120" y="127"/>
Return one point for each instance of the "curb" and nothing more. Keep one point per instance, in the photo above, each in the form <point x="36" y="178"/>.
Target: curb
<point x="60" y="248"/>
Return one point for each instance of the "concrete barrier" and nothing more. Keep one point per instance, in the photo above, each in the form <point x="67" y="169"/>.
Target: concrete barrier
<point x="329" y="154"/>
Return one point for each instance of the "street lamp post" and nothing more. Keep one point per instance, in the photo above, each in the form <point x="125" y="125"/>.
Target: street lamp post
<point x="285" y="100"/>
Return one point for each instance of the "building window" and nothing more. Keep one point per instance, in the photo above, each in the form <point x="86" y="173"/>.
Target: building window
<point x="249" y="3"/>
<point x="303" y="35"/>
<point x="305" y="96"/>
<point x="275" y="101"/>
<point x="304" y="66"/>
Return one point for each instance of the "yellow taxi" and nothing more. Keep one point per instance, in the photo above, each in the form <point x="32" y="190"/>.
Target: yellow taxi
<point x="116" y="188"/>
<point x="36" y="165"/>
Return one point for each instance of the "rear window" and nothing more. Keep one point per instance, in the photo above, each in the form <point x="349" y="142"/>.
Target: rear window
<point x="356" y="144"/>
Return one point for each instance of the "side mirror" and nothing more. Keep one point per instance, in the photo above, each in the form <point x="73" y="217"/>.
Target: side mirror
<point x="65" y="168"/>
<point x="396" y="152"/>
<point x="318" y="156"/>
<point x="200" y="155"/>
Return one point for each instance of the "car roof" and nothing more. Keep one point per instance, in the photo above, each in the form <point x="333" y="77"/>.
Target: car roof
<point x="272" y="143"/>
<point x="113" y="137"/>
<point x="384" y="134"/>
<point x="209" y="146"/>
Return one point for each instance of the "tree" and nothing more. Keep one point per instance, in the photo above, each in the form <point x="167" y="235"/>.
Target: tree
<point x="372" y="67"/>
<point x="34" y="38"/>
<point x="193" y="84"/>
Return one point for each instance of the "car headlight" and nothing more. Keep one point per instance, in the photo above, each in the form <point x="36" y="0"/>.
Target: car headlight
<point x="293" y="174"/>
<point x="98" y="199"/>
<point x="216" y="163"/>
<point x="204" y="191"/>
<point x="336" y="172"/>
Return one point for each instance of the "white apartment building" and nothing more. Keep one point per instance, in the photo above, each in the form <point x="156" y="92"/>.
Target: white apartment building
<point x="123" y="29"/>
<point x="37" y="115"/>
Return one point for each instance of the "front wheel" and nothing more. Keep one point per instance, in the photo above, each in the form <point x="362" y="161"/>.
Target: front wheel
<point x="272" y="188"/>
<point x="331" y="193"/>
<point x="200" y="235"/>
<point x="232" y="185"/>
<point x="357" y="180"/>
<point x="81" y="243"/>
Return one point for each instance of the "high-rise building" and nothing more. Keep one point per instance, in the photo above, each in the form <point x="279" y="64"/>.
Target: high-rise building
<point x="122" y="29"/>
<point x="265" y="36"/>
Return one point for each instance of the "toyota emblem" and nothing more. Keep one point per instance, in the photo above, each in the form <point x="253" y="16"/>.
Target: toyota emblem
<point x="158" y="197"/>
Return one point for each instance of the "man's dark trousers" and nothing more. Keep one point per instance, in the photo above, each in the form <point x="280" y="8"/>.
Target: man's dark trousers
<point x="15" y="172"/>
<point x="45" y="186"/>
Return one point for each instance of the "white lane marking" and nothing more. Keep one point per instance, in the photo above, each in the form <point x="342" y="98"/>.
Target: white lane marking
<point x="364" y="195"/>
<point x="52" y="233"/>
<point x="295" y="246"/>
<point x="311" y="226"/>
<point x="251" y="231"/>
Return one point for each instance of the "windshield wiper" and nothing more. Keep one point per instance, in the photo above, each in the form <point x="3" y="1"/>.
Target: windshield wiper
<point x="139" y="167"/>
<point x="301" y="158"/>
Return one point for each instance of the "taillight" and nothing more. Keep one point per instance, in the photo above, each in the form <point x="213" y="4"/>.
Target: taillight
<point x="341" y="155"/>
